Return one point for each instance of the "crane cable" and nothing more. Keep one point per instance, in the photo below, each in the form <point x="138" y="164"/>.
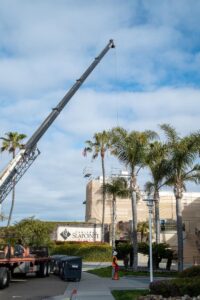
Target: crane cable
<point x="116" y="79"/>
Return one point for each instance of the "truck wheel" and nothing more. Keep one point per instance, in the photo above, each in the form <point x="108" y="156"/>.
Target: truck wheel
<point x="43" y="271"/>
<point x="48" y="269"/>
<point x="4" y="277"/>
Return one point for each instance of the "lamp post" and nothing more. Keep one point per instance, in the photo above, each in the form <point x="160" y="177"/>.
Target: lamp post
<point x="150" y="202"/>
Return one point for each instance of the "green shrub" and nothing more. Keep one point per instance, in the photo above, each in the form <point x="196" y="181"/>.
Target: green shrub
<point x="159" y="251"/>
<point x="176" y="287"/>
<point x="123" y="249"/>
<point x="166" y="288"/>
<point x="189" y="286"/>
<point x="190" y="272"/>
<point x="88" y="251"/>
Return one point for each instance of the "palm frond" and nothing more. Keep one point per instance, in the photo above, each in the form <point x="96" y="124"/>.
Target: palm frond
<point x="4" y="139"/>
<point x="99" y="145"/>
<point x="117" y="187"/>
<point x="12" y="141"/>
<point x="170" y="133"/>
<point x="151" y="135"/>
<point x="149" y="187"/>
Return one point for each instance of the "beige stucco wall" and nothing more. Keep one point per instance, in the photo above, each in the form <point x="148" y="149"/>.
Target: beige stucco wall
<point x="190" y="212"/>
<point x="167" y="205"/>
<point x="190" y="206"/>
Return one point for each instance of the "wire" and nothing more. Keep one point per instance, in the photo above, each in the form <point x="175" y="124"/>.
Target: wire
<point x="116" y="75"/>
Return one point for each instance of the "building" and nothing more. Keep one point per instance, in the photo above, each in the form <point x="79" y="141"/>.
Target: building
<point x="190" y="212"/>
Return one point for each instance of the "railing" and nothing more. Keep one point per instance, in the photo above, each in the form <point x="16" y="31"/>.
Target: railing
<point x="167" y="225"/>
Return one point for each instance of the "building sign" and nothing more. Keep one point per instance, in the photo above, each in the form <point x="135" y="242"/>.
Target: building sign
<point x="79" y="234"/>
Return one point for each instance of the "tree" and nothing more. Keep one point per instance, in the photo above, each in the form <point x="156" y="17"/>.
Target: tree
<point x="182" y="154"/>
<point x="98" y="146"/>
<point x="32" y="232"/>
<point x="157" y="162"/>
<point x="116" y="188"/>
<point x="130" y="148"/>
<point x="11" y="143"/>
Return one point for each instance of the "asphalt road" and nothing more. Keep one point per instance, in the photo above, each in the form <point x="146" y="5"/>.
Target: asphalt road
<point x="33" y="288"/>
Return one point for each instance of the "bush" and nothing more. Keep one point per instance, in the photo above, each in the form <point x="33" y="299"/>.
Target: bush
<point x="166" y="288"/>
<point x="189" y="287"/>
<point x="88" y="251"/>
<point x="190" y="272"/>
<point x="123" y="249"/>
<point x="159" y="252"/>
<point x="176" y="287"/>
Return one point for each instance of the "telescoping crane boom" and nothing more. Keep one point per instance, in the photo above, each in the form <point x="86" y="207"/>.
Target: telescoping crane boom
<point x="26" y="156"/>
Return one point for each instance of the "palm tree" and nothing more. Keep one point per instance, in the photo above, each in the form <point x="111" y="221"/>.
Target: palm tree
<point x="11" y="143"/>
<point x="183" y="154"/>
<point x="130" y="148"/>
<point x="99" y="145"/>
<point x="143" y="228"/>
<point x="156" y="161"/>
<point x="116" y="188"/>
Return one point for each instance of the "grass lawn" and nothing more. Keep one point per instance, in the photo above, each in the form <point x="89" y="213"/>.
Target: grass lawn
<point x="129" y="295"/>
<point x="107" y="271"/>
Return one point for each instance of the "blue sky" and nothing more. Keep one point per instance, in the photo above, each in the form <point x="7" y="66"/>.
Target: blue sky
<point x="152" y="77"/>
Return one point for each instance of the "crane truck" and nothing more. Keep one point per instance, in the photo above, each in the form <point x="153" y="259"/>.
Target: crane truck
<point x="17" y="167"/>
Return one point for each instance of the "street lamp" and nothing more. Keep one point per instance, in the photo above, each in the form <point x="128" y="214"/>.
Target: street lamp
<point x="150" y="202"/>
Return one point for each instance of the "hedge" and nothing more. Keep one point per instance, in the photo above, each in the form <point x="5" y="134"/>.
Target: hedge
<point x="88" y="251"/>
<point x="166" y="288"/>
<point x="190" y="272"/>
<point x="176" y="287"/>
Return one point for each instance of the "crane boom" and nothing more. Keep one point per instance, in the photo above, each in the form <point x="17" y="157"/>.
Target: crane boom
<point x="25" y="157"/>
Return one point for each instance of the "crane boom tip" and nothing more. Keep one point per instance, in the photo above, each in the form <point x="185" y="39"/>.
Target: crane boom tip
<point x="112" y="45"/>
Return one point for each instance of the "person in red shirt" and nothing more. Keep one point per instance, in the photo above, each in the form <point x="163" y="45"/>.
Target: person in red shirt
<point x="115" y="267"/>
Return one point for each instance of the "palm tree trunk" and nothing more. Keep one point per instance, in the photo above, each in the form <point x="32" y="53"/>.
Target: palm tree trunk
<point x="13" y="198"/>
<point x="135" y="243"/>
<point x="179" y="224"/>
<point x="157" y="216"/>
<point x="134" y="224"/>
<point x="12" y="206"/>
<point x="113" y="223"/>
<point x="104" y="199"/>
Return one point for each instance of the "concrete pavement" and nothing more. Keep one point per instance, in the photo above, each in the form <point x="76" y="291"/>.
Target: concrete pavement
<point x="92" y="287"/>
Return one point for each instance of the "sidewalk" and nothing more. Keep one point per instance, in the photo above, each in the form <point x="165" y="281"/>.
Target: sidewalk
<point x="92" y="287"/>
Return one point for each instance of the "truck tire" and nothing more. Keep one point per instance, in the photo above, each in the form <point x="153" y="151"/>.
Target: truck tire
<point x="48" y="269"/>
<point x="4" y="277"/>
<point x="43" y="270"/>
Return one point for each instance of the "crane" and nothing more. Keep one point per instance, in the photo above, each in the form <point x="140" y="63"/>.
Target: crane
<point x="17" y="167"/>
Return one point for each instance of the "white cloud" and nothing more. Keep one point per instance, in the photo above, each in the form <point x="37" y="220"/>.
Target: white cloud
<point x="152" y="77"/>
